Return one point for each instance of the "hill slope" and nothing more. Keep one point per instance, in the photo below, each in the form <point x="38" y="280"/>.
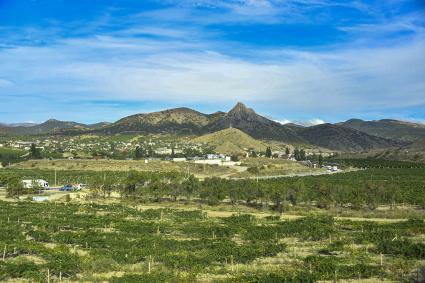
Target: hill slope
<point x="51" y="126"/>
<point x="178" y="120"/>
<point x="344" y="139"/>
<point x="257" y="126"/>
<point x="387" y="128"/>
<point x="231" y="141"/>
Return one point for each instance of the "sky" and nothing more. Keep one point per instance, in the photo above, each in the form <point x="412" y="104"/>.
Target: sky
<point x="291" y="60"/>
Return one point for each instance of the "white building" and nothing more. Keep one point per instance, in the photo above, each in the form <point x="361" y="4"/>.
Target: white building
<point x="164" y="151"/>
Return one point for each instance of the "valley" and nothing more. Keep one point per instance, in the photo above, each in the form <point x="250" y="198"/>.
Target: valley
<point x="181" y="196"/>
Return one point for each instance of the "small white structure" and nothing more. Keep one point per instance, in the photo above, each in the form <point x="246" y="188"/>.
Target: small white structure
<point x="29" y="184"/>
<point x="164" y="151"/>
<point x="40" y="198"/>
<point x="179" y="159"/>
<point x="209" y="161"/>
<point x="218" y="162"/>
<point x="79" y="187"/>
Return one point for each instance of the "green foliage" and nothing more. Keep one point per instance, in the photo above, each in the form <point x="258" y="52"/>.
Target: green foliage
<point x="11" y="156"/>
<point x="268" y="152"/>
<point x="35" y="153"/>
<point x="378" y="163"/>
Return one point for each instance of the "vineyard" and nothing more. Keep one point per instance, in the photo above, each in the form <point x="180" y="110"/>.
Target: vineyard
<point x="123" y="243"/>
<point x="377" y="163"/>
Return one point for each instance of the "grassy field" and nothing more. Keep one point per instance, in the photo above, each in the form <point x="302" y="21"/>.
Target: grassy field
<point x="275" y="167"/>
<point x="231" y="141"/>
<point x="266" y="167"/>
<point x="226" y="231"/>
<point x="132" y="243"/>
<point x="125" y="165"/>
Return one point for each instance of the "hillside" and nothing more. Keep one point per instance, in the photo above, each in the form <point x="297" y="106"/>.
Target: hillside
<point x="413" y="152"/>
<point x="352" y="135"/>
<point x="231" y="141"/>
<point x="178" y="120"/>
<point x="257" y="126"/>
<point x="388" y="128"/>
<point x="343" y="139"/>
<point x="51" y="126"/>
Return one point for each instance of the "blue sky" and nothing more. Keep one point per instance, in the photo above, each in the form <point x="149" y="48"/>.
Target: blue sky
<point x="297" y="60"/>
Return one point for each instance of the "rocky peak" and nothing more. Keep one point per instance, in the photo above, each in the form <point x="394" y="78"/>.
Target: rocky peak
<point x="240" y="111"/>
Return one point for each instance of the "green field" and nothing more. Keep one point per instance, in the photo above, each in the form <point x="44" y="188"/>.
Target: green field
<point x="166" y="226"/>
<point x="122" y="243"/>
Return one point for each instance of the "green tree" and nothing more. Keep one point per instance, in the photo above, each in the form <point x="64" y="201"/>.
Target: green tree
<point x="324" y="195"/>
<point x="35" y="152"/>
<point x="190" y="187"/>
<point x="297" y="154"/>
<point x="320" y="160"/>
<point x="212" y="191"/>
<point x="138" y="152"/>
<point x="302" y="154"/>
<point x="15" y="187"/>
<point x="268" y="152"/>
<point x="287" y="151"/>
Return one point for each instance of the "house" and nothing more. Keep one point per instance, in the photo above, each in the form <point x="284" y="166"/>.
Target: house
<point x="179" y="159"/>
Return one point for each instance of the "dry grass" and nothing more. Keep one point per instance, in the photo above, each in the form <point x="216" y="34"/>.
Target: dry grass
<point x="126" y="165"/>
<point x="275" y="167"/>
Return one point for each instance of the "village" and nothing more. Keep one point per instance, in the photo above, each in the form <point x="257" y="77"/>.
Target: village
<point x="148" y="148"/>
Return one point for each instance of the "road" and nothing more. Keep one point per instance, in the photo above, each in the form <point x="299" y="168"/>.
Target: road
<point x="289" y="175"/>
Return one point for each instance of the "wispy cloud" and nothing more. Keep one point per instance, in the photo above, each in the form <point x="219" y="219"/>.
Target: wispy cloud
<point x="181" y="53"/>
<point x="5" y="83"/>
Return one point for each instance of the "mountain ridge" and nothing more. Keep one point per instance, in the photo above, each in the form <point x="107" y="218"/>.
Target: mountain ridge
<point x="344" y="136"/>
<point x="403" y="131"/>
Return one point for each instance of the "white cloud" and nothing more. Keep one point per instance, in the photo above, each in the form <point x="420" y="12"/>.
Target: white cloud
<point x="306" y="123"/>
<point x="315" y="122"/>
<point x="283" y="122"/>
<point x="338" y="80"/>
<point x="5" y="83"/>
<point x="183" y="65"/>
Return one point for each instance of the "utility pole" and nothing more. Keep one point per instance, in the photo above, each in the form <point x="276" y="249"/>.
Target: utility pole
<point x="55" y="178"/>
<point x="4" y="252"/>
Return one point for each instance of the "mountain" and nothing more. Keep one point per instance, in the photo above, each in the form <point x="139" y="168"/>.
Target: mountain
<point x="179" y="120"/>
<point x="344" y="139"/>
<point x="246" y="120"/>
<point x="97" y="125"/>
<point x="411" y="152"/>
<point x="352" y="135"/>
<point x="24" y="124"/>
<point x="231" y="141"/>
<point x="388" y="128"/>
<point x="51" y="126"/>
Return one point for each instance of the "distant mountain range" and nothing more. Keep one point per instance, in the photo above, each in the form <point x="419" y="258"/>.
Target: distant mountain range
<point x="387" y="128"/>
<point x="51" y="126"/>
<point x="351" y="135"/>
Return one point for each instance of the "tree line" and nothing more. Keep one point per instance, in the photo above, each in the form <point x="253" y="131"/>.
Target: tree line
<point x="359" y="189"/>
